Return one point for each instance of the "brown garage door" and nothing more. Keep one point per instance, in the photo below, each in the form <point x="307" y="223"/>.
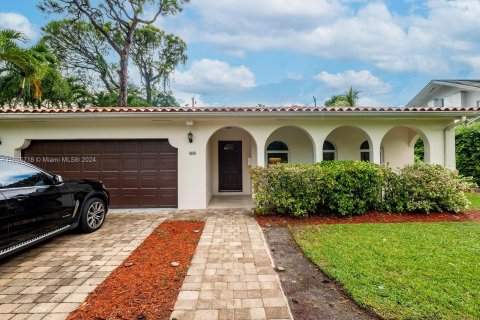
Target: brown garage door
<point x="138" y="173"/>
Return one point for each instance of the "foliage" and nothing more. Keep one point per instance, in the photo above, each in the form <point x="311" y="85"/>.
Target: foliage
<point x="355" y="187"/>
<point x="343" y="187"/>
<point x="422" y="187"/>
<point x="157" y="55"/>
<point x="28" y="65"/>
<point x="401" y="271"/>
<point x="349" y="99"/>
<point x="31" y="77"/>
<point x="419" y="150"/>
<point x="81" y="49"/>
<point x="468" y="151"/>
<point x="116" y="21"/>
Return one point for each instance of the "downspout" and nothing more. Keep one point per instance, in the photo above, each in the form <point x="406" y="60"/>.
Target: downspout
<point x="462" y="120"/>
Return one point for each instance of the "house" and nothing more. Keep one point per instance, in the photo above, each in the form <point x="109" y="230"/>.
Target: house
<point x="441" y="93"/>
<point x="182" y="157"/>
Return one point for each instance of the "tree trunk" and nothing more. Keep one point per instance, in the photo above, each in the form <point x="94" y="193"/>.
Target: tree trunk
<point x="123" y="76"/>
<point x="148" y="89"/>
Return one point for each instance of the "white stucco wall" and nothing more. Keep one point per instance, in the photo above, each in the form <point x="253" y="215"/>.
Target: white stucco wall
<point x="300" y="147"/>
<point x="398" y="147"/>
<point x="197" y="174"/>
<point x="347" y="141"/>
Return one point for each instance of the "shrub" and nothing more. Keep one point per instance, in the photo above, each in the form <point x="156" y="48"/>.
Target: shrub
<point x="344" y="187"/>
<point x="467" y="142"/>
<point x="351" y="187"/>
<point x="286" y="188"/>
<point x="424" y="187"/>
<point x="355" y="187"/>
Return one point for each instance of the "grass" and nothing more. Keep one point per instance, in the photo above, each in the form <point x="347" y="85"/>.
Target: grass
<point x="402" y="271"/>
<point x="474" y="199"/>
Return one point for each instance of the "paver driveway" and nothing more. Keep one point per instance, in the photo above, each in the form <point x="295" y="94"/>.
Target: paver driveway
<point x="52" y="279"/>
<point x="231" y="275"/>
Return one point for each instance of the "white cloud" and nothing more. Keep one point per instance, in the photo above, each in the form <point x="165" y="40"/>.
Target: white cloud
<point x="18" y="22"/>
<point x="213" y="76"/>
<point x="335" y="30"/>
<point x="362" y="80"/>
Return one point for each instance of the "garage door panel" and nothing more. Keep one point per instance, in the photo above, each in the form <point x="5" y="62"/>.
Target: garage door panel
<point x="138" y="173"/>
<point x="129" y="165"/>
<point x="93" y="166"/>
<point x="110" y="165"/>
<point x="53" y="148"/>
<point x="130" y="147"/>
<point x="112" y="148"/>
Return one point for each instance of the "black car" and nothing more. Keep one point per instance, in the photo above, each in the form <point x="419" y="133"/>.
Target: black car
<point x="36" y="205"/>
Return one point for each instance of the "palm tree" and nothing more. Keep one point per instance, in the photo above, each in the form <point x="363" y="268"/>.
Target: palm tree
<point x="30" y="64"/>
<point x="349" y="99"/>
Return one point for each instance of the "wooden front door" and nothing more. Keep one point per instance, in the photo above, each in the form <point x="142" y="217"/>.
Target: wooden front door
<point x="230" y="166"/>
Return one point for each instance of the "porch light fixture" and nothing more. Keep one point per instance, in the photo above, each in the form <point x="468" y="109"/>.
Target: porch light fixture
<point x="190" y="137"/>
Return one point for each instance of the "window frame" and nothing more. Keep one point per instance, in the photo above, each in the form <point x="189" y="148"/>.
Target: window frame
<point x="334" y="151"/>
<point x="268" y="152"/>
<point x="363" y="150"/>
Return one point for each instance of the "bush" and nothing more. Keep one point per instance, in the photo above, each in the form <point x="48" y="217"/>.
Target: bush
<point x="424" y="187"/>
<point x="355" y="187"/>
<point x="467" y="142"/>
<point x="344" y="187"/>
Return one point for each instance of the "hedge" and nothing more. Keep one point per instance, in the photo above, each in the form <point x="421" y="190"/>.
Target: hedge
<point x="467" y="142"/>
<point x="355" y="187"/>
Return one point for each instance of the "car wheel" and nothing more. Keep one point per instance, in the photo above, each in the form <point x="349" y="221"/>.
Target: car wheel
<point x="93" y="215"/>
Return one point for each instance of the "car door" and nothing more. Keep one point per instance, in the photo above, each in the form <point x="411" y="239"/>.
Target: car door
<point x="3" y="222"/>
<point x="36" y="204"/>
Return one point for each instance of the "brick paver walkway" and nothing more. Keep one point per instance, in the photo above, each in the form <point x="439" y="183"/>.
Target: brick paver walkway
<point x="52" y="279"/>
<point x="231" y="275"/>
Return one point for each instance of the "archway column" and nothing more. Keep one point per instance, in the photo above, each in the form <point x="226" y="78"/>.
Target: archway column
<point x="375" y="148"/>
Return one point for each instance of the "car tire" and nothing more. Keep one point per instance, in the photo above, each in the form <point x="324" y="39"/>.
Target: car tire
<point x="93" y="215"/>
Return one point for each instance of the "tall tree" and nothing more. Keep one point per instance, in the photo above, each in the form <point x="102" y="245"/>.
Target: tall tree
<point x="349" y="99"/>
<point x="117" y="21"/>
<point x="81" y="48"/>
<point x="156" y="55"/>
<point x="29" y="65"/>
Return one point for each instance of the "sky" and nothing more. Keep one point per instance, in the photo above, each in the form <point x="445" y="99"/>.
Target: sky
<point x="286" y="52"/>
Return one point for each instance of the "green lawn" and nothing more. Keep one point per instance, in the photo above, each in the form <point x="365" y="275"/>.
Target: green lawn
<point x="403" y="270"/>
<point x="474" y="199"/>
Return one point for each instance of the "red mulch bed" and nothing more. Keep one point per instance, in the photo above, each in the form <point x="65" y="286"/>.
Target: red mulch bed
<point x="370" y="217"/>
<point x="146" y="286"/>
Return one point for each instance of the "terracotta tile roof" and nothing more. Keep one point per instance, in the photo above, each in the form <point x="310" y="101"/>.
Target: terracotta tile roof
<point x="237" y="109"/>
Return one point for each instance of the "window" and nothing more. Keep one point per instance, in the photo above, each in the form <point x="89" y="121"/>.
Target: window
<point x="329" y="152"/>
<point x="277" y="152"/>
<point x="365" y="151"/>
<point x="17" y="175"/>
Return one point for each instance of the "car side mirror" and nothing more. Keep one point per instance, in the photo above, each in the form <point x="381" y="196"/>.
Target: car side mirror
<point x="57" y="179"/>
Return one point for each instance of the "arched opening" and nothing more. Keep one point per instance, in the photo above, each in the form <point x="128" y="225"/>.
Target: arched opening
<point x="231" y="151"/>
<point x="297" y="146"/>
<point x="277" y="152"/>
<point x="329" y="151"/>
<point x="419" y="150"/>
<point x="401" y="144"/>
<point x="365" y="151"/>
<point x="350" y="143"/>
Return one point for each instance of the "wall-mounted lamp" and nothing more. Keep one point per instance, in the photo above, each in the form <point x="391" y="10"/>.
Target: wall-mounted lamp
<point x="190" y="137"/>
